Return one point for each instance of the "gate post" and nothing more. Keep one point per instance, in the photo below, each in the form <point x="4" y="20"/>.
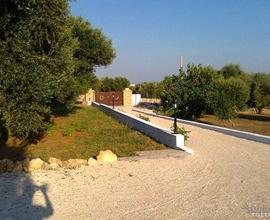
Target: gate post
<point x="90" y="96"/>
<point x="127" y="97"/>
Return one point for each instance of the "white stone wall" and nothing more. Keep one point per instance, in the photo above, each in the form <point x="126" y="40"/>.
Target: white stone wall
<point x="157" y="133"/>
<point x="136" y="99"/>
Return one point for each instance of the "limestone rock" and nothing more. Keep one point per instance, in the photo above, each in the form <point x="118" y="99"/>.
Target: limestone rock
<point x="18" y="166"/>
<point x="34" y="164"/>
<point x="54" y="166"/>
<point x="45" y="166"/>
<point x="78" y="161"/>
<point x="66" y="165"/>
<point x="106" y="156"/>
<point x="91" y="161"/>
<point x="56" y="161"/>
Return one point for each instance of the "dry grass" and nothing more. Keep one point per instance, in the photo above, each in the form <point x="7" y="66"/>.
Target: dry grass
<point x="83" y="134"/>
<point x="255" y="123"/>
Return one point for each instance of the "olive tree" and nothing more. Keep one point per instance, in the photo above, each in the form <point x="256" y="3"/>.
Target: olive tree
<point x="260" y="92"/>
<point x="228" y="96"/>
<point x="189" y="90"/>
<point x="47" y="59"/>
<point x="94" y="50"/>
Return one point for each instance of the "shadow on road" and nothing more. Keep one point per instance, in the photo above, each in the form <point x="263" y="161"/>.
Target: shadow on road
<point x="17" y="192"/>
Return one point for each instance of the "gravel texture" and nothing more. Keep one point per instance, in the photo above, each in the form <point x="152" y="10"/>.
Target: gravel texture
<point x="227" y="178"/>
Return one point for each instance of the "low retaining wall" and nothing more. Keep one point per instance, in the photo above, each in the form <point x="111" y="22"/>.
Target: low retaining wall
<point x="157" y="133"/>
<point x="241" y="134"/>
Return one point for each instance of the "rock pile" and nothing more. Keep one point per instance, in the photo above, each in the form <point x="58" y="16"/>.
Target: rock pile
<point x="28" y="165"/>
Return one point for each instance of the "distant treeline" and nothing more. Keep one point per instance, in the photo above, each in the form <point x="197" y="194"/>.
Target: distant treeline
<point x="107" y="84"/>
<point x="203" y="89"/>
<point x="149" y="89"/>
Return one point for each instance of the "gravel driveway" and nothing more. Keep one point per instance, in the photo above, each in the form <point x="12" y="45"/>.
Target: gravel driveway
<point x="227" y="178"/>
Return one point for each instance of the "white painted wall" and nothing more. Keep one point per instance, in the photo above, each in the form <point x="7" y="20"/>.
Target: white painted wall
<point x="241" y="134"/>
<point x="136" y="99"/>
<point x="157" y="133"/>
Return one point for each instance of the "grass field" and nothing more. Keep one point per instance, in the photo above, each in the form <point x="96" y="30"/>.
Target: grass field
<point x="80" y="135"/>
<point x="255" y="123"/>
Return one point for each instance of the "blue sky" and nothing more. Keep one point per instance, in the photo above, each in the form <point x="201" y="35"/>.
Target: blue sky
<point x="150" y="35"/>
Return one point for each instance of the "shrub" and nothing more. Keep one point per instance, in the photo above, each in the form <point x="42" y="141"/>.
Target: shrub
<point x="182" y="131"/>
<point x="189" y="90"/>
<point x="227" y="97"/>
<point x="260" y="92"/>
<point x="144" y="117"/>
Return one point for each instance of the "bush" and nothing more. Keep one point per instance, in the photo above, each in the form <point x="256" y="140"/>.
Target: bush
<point x="144" y="117"/>
<point x="227" y="97"/>
<point x="182" y="131"/>
<point x="189" y="90"/>
<point x="260" y="92"/>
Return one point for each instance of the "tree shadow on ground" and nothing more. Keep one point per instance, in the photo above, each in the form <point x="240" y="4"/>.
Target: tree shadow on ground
<point x="14" y="149"/>
<point x="18" y="193"/>
<point x="254" y="117"/>
<point x="61" y="110"/>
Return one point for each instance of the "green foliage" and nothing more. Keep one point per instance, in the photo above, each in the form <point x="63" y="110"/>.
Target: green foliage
<point x="49" y="128"/>
<point x="149" y="89"/>
<point x="68" y="131"/>
<point x="260" y="92"/>
<point x="227" y="97"/>
<point x="75" y="126"/>
<point x="143" y="117"/>
<point x="94" y="49"/>
<point x="164" y="111"/>
<point x="100" y="132"/>
<point x="182" y="131"/>
<point x="35" y="62"/>
<point x="108" y="84"/>
<point x="259" y="85"/>
<point x="252" y="95"/>
<point x="231" y="70"/>
<point x="203" y="89"/>
<point x="42" y="49"/>
<point x="189" y="91"/>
